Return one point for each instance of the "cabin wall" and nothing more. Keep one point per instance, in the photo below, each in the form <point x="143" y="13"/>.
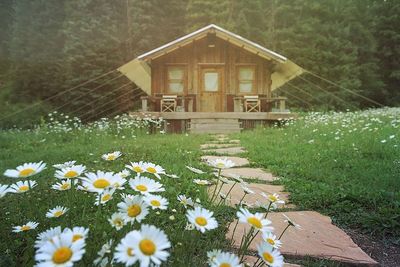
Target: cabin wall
<point x="197" y="54"/>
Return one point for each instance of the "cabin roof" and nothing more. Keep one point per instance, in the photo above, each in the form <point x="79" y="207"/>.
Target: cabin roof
<point x="139" y="71"/>
<point x="221" y="33"/>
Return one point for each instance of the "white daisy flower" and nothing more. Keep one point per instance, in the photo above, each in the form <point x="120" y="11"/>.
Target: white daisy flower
<point x="201" y="182"/>
<point x="138" y="167"/>
<point x="64" y="185"/>
<point x="78" y="233"/>
<point x="102" y="260"/>
<point x="185" y="201"/>
<point x="156" y="202"/>
<point x="99" y="181"/>
<point x="291" y="222"/>
<point x="271" y="239"/>
<point x="255" y="220"/>
<point x="58" y="211"/>
<point x="269" y="255"/>
<point x="134" y="209"/>
<point x="25" y="227"/>
<point x="145" y="185"/>
<point x="246" y="189"/>
<point x="235" y="177"/>
<point x="124" y="173"/>
<point x="154" y="169"/>
<point x="211" y="255"/>
<point x="117" y="220"/>
<point x="4" y="190"/>
<point x="221" y="163"/>
<point x="74" y="171"/>
<point x="273" y="198"/>
<point x="195" y="170"/>
<point x="22" y="186"/>
<point x="150" y="246"/>
<point x="60" y="251"/>
<point x="112" y="156"/>
<point x="64" y="165"/>
<point x="202" y="219"/>
<point x="104" y="197"/>
<point x="26" y="170"/>
<point x="174" y="176"/>
<point x="47" y="235"/>
<point x="225" y="259"/>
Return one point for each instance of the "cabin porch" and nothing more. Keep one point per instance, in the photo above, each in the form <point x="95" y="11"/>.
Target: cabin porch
<point x="215" y="122"/>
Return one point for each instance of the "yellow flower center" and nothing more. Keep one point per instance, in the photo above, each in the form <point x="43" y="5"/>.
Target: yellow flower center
<point x="65" y="186"/>
<point x="272" y="198"/>
<point x="118" y="222"/>
<point x="225" y="265"/>
<point x="151" y="170"/>
<point x="134" y="210"/>
<point x="58" y="213"/>
<point x="26" y="172"/>
<point x="201" y="221"/>
<point x="255" y="222"/>
<point x="155" y="203"/>
<point x="268" y="257"/>
<point x="101" y="183"/>
<point x="220" y="165"/>
<point x="106" y="197"/>
<point x="271" y="241"/>
<point x="70" y="174"/>
<point x="141" y="188"/>
<point x="76" y="237"/>
<point x="137" y="169"/>
<point x="147" y="247"/>
<point x="25" y="228"/>
<point x="62" y="255"/>
<point x="111" y="157"/>
<point x="129" y="251"/>
<point x="23" y="188"/>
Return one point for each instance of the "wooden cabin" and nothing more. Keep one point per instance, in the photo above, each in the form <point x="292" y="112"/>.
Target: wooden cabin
<point x="212" y="80"/>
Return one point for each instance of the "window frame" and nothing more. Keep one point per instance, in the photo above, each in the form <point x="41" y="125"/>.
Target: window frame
<point x="167" y="80"/>
<point x="253" y="82"/>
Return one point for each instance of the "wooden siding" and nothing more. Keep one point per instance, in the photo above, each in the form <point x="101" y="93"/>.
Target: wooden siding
<point x="197" y="55"/>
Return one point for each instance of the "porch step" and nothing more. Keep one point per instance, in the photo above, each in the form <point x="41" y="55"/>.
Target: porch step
<point x="214" y="125"/>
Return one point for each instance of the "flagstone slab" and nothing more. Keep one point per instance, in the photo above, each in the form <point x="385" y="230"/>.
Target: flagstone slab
<point x="219" y="141"/>
<point x="250" y="173"/>
<point x="317" y="238"/>
<point x="239" y="162"/>
<point x="237" y="193"/>
<point x="207" y="146"/>
<point x="226" y="151"/>
<point x="250" y="260"/>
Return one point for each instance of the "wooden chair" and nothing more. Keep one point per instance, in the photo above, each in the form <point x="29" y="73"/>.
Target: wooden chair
<point x="252" y="103"/>
<point x="168" y="103"/>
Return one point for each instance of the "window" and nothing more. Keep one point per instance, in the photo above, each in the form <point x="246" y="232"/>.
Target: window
<point x="211" y="81"/>
<point x="175" y="79"/>
<point x="246" y="79"/>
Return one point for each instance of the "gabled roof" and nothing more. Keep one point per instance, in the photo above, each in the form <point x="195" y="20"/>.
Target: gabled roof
<point x="139" y="71"/>
<point x="219" y="32"/>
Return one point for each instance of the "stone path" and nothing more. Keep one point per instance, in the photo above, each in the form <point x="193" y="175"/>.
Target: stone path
<point x="317" y="238"/>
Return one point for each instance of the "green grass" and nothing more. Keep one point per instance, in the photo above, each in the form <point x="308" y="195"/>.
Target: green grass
<point x="172" y="152"/>
<point x="353" y="179"/>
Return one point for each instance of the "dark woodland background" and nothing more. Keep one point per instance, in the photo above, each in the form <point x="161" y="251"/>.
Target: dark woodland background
<point x="49" y="46"/>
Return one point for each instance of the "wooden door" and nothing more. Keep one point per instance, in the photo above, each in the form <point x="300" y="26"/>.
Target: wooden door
<point x="211" y="89"/>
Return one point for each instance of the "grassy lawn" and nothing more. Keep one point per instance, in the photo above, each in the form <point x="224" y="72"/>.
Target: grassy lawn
<point x="344" y="165"/>
<point x="172" y="152"/>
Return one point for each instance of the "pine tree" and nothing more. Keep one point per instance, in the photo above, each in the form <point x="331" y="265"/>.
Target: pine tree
<point x="200" y="13"/>
<point x="36" y="48"/>
<point x="6" y="22"/>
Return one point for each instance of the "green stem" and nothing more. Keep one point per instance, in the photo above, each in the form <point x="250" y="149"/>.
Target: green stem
<point x="216" y="186"/>
<point x="284" y="230"/>
<point x="240" y="202"/>
<point x="269" y="207"/>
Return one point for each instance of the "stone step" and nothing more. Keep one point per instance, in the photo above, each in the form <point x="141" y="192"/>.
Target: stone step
<point x="208" y="131"/>
<point x="206" y="146"/>
<point x="255" y="199"/>
<point x="209" y="125"/>
<point x="250" y="173"/>
<point x="226" y="151"/>
<point x="317" y="238"/>
<point x="214" y="121"/>
<point x="214" y="126"/>
<point x="237" y="160"/>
